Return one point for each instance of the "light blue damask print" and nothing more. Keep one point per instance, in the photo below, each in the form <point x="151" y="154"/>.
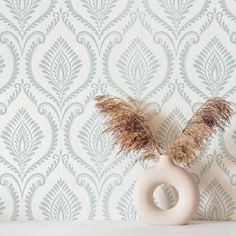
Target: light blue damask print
<point x="60" y="203"/>
<point x="99" y="11"/>
<point x="97" y="144"/>
<point x="228" y="154"/>
<point x="98" y="181"/>
<point x="171" y="128"/>
<point x="2" y="65"/>
<point x="11" y="80"/>
<point x="2" y="106"/>
<point x="2" y="207"/>
<point x="126" y="207"/>
<point x="228" y="10"/>
<point x="215" y="204"/>
<point x="22" y="12"/>
<point x="23" y="19"/>
<point x="137" y="66"/>
<point x="130" y="74"/>
<point x="163" y="52"/>
<point x="60" y="66"/>
<point x="178" y="18"/>
<point x="176" y="11"/>
<point x="99" y="147"/>
<point x="215" y="66"/>
<point x="22" y="137"/>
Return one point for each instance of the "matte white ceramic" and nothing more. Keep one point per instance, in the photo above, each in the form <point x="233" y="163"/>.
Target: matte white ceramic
<point x="166" y="172"/>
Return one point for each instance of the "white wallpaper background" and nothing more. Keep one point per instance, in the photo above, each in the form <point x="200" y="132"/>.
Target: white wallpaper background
<point x="55" y="56"/>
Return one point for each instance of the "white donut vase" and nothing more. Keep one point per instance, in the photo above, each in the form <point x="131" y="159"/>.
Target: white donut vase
<point x="166" y="172"/>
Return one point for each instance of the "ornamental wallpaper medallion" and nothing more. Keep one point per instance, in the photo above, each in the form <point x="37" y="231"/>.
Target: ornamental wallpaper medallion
<point x="56" y="56"/>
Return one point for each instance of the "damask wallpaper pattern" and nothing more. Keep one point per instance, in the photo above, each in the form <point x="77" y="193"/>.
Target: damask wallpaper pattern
<point x="55" y="56"/>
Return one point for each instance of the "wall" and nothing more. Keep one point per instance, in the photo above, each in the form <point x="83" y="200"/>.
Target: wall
<point x="55" y="56"/>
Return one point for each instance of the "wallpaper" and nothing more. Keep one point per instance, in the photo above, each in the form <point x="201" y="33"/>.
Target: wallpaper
<point x="57" y="55"/>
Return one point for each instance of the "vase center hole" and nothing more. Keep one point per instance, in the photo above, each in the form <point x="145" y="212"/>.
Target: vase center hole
<point x="165" y="196"/>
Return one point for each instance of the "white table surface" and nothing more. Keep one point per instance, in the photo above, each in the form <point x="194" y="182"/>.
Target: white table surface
<point x="115" y="228"/>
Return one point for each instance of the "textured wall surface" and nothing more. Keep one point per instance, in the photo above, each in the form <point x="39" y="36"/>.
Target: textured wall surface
<point x="55" y="56"/>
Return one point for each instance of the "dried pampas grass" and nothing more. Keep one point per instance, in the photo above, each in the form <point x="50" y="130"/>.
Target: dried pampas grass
<point x="131" y="129"/>
<point x="133" y="132"/>
<point x="214" y="113"/>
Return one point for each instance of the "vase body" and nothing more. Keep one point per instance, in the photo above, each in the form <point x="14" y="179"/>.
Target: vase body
<point x="166" y="172"/>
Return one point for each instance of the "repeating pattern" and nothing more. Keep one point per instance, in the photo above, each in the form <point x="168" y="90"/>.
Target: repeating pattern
<point x="56" y="56"/>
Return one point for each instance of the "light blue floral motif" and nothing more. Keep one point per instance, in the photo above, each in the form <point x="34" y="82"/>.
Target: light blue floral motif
<point x="165" y="196"/>
<point x="60" y="203"/>
<point x="176" y="11"/>
<point x="100" y="18"/>
<point x="22" y="137"/>
<point x="226" y="152"/>
<point x="215" y="66"/>
<point x="228" y="9"/>
<point x="2" y="65"/>
<point x="60" y="66"/>
<point x="137" y="66"/>
<point x="171" y="127"/>
<point x="98" y="179"/>
<point x="132" y="42"/>
<point x="99" y="11"/>
<point x="234" y="136"/>
<point x="178" y="17"/>
<point x="97" y="143"/>
<point x="2" y="206"/>
<point x="23" y="12"/>
<point x="215" y="204"/>
<point x="126" y="207"/>
<point x="170" y="195"/>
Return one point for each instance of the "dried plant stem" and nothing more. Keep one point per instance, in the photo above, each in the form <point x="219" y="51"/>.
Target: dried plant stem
<point x="133" y="131"/>
<point x="214" y="113"/>
<point x="130" y="127"/>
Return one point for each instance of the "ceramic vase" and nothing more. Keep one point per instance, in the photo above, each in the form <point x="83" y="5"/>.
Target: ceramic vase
<point x="166" y="172"/>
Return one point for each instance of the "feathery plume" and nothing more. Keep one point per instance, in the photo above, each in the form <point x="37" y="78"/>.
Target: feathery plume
<point x="133" y="132"/>
<point x="130" y="127"/>
<point x="213" y="114"/>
